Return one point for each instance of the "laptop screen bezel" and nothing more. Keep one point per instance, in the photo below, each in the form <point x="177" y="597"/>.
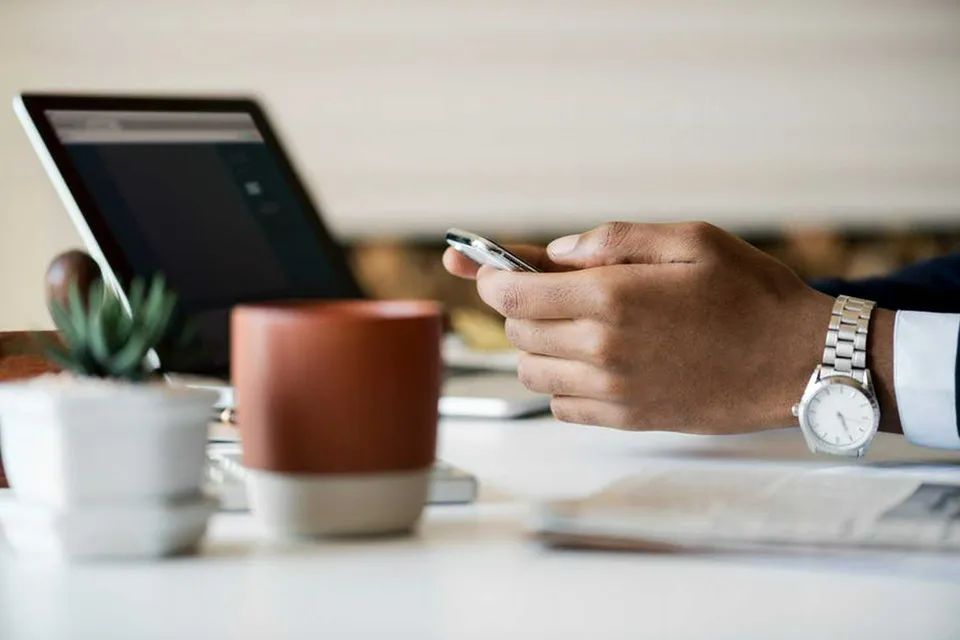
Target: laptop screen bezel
<point x="37" y="104"/>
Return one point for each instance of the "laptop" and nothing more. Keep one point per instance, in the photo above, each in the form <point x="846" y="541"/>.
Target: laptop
<point x="202" y="190"/>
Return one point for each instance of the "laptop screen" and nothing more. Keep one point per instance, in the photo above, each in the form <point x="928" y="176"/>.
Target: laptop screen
<point x="204" y="199"/>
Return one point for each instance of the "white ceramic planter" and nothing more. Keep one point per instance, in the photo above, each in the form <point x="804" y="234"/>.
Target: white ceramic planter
<point x="74" y="441"/>
<point x="75" y="447"/>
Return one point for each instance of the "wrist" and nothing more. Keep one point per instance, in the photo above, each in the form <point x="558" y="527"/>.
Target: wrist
<point x="839" y="412"/>
<point x="800" y="339"/>
<point x="807" y="347"/>
<point x="880" y="362"/>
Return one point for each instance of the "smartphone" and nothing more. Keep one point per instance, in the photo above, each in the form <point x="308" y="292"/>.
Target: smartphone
<point x="486" y="252"/>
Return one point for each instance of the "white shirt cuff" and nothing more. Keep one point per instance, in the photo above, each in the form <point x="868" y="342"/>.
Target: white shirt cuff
<point x="925" y="377"/>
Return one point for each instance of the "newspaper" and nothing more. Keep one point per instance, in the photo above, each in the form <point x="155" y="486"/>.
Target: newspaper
<point x="750" y="507"/>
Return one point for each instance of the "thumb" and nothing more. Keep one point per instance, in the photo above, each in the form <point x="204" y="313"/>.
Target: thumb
<point x="628" y="243"/>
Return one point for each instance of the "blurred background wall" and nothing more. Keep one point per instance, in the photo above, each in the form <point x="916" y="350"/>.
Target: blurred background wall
<point x="528" y="118"/>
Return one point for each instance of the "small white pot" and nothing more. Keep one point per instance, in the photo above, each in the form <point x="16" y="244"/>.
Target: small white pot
<point x="94" y="466"/>
<point x="69" y="441"/>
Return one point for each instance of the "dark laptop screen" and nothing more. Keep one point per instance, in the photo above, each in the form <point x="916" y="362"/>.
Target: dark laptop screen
<point x="202" y="198"/>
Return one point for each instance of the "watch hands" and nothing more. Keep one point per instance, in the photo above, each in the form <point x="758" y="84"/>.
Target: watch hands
<point x="843" y="423"/>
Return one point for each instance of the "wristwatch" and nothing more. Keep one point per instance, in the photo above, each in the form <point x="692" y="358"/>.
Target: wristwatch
<point x="839" y="412"/>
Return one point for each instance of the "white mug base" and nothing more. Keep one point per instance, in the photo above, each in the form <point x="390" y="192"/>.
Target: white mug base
<point x="304" y="504"/>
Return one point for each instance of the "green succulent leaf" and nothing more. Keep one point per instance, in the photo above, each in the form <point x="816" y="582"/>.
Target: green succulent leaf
<point x="99" y="346"/>
<point x="77" y="310"/>
<point x="135" y="299"/>
<point x="63" y="359"/>
<point x="155" y="299"/>
<point x="131" y="355"/>
<point x="63" y="322"/>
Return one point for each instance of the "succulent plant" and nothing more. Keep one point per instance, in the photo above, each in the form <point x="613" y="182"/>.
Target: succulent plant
<point x="100" y="339"/>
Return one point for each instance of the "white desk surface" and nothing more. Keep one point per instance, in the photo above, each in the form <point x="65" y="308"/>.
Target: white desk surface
<point x="471" y="571"/>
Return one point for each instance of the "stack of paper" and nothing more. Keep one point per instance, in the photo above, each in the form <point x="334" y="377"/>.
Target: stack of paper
<point x="750" y="507"/>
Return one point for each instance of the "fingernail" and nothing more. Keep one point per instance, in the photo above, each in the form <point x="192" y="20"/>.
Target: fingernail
<point x="562" y="246"/>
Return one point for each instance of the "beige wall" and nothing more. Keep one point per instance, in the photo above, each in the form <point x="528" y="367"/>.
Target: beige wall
<point x="523" y="115"/>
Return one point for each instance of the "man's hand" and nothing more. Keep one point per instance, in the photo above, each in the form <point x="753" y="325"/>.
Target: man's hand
<point x="661" y="327"/>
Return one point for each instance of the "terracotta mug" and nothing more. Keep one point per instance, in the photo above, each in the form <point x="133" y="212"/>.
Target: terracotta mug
<point x="337" y="409"/>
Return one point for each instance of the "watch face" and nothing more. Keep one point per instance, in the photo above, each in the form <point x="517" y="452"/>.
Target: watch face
<point x="841" y="415"/>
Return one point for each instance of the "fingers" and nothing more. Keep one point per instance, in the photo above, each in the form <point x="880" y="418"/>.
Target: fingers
<point x="459" y="265"/>
<point x="584" y="340"/>
<point x="559" y="377"/>
<point x="541" y="295"/>
<point x="593" y="412"/>
<point x="626" y="243"/>
<point x="463" y="267"/>
<point x="557" y="338"/>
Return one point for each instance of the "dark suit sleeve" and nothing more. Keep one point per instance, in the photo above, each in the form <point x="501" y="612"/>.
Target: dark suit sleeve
<point x="933" y="285"/>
